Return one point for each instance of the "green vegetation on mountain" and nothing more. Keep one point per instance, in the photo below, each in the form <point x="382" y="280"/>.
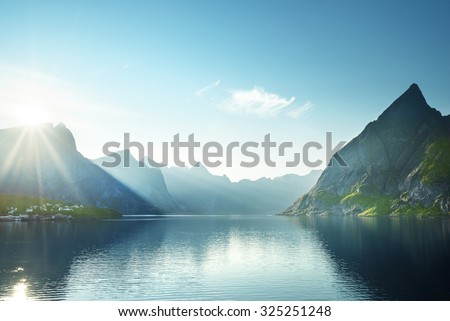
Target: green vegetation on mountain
<point x="436" y="164"/>
<point x="327" y="198"/>
<point x="371" y="205"/>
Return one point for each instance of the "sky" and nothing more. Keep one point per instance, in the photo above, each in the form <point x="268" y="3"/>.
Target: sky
<point x="222" y="70"/>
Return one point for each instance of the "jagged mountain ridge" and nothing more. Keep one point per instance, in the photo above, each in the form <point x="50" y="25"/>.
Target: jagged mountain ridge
<point x="399" y="164"/>
<point x="202" y="192"/>
<point x="196" y="190"/>
<point x="43" y="161"/>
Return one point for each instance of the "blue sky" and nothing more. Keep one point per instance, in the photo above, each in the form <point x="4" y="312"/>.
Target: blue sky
<point x="224" y="70"/>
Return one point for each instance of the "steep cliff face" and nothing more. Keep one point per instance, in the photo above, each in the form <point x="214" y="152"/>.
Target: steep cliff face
<point x="43" y="161"/>
<point x="399" y="164"/>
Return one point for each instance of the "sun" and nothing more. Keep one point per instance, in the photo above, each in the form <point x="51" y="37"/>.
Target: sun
<point x="32" y="115"/>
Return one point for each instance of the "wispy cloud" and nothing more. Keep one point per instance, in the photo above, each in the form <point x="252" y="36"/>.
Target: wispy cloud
<point x="208" y="87"/>
<point x="256" y="101"/>
<point x="299" y="111"/>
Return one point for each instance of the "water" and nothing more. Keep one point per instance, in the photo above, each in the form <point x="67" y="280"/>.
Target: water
<point x="227" y="258"/>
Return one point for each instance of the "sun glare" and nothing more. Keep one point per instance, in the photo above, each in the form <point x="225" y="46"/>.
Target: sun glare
<point x="32" y="115"/>
<point x="20" y="292"/>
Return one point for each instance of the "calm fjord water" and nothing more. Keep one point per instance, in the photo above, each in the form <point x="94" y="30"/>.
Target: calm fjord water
<point x="227" y="258"/>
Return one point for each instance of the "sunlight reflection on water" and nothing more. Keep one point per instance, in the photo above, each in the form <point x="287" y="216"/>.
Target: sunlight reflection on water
<point x="225" y="258"/>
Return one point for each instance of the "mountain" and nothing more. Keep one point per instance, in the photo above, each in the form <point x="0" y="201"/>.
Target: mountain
<point x="202" y="192"/>
<point x="273" y="194"/>
<point x="398" y="165"/>
<point x="43" y="161"/>
<point x="198" y="190"/>
<point x="147" y="182"/>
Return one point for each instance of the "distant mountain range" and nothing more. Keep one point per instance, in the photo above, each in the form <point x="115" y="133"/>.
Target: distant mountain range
<point x="398" y="165"/>
<point x="196" y="190"/>
<point x="217" y="194"/>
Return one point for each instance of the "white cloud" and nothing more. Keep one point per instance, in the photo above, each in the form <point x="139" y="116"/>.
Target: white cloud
<point x="297" y="112"/>
<point x="208" y="87"/>
<point x="256" y="101"/>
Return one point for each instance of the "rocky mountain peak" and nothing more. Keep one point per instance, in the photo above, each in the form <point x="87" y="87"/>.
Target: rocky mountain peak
<point x="64" y="136"/>
<point x="412" y="97"/>
<point x="414" y="90"/>
<point x="411" y="107"/>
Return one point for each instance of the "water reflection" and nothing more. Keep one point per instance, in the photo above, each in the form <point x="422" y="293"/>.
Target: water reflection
<point x="36" y="257"/>
<point x="226" y="258"/>
<point x="212" y="258"/>
<point x="19" y="291"/>
<point x="396" y="258"/>
<point x="172" y="258"/>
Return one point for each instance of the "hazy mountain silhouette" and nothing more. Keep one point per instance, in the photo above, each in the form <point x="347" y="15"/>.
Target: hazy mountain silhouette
<point x="43" y="161"/>
<point x="196" y="190"/>
<point x="202" y="192"/>
<point x="147" y="182"/>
